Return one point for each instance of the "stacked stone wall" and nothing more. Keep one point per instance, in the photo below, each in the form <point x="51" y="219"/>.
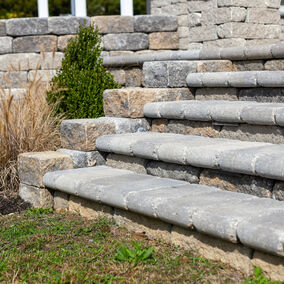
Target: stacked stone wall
<point x="30" y="44"/>
<point x="223" y="23"/>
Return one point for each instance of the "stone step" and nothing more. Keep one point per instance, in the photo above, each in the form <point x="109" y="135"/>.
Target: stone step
<point x="255" y="222"/>
<point x="244" y="79"/>
<point x="249" y="158"/>
<point x="219" y="111"/>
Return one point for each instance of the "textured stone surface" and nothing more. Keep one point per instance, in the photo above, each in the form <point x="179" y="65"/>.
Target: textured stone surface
<point x="33" y="166"/>
<point x="5" y="44"/>
<point x="133" y="77"/>
<point x="166" y="170"/>
<point x="43" y="43"/>
<point x="126" y="41"/>
<point x="66" y="25"/>
<point x="141" y="224"/>
<point x="118" y="76"/>
<point x="164" y="40"/>
<point x="160" y="125"/>
<point x="114" y="24"/>
<point x="155" y="23"/>
<point x="237" y="183"/>
<point x="37" y="197"/>
<point x="272" y="266"/>
<point x="87" y="209"/>
<point x="274" y="65"/>
<point x="265" y="95"/>
<point x="230" y="94"/>
<point x="43" y="75"/>
<point x="63" y="41"/>
<point x="2" y="27"/>
<point x="60" y="200"/>
<point x="234" y="255"/>
<point x="13" y="79"/>
<point x="245" y="132"/>
<point x="215" y="66"/>
<point x="188" y="127"/>
<point x="136" y="165"/>
<point x="203" y="33"/>
<point x="81" y="134"/>
<point x="263" y="16"/>
<point x="84" y="159"/>
<point x="252" y="65"/>
<point x="21" y="61"/>
<point x="130" y="102"/>
<point x="278" y="191"/>
<point x="26" y="26"/>
<point x="51" y="60"/>
<point x="225" y="42"/>
<point x="248" y="3"/>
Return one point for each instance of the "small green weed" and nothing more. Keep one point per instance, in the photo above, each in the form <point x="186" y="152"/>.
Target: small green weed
<point x="38" y="211"/>
<point x="259" y="278"/>
<point x="135" y="255"/>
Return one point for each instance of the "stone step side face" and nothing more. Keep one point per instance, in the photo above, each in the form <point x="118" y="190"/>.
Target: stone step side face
<point x="130" y="102"/>
<point x="81" y="134"/>
<point x="251" y="158"/>
<point x="209" y="210"/>
<point x="218" y="111"/>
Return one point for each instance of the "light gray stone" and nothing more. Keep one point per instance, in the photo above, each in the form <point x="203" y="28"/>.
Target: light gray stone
<point x="210" y="53"/>
<point x="131" y="41"/>
<point x="2" y="27"/>
<point x="6" y="44"/>
<point x="194" y="19"/>
<point x="66" y="25"/>
<point x="45" y="43"/>
<point x="60" y="200"/>
<point x="174" y="171"/>
<point x="155" y="23"/>
<point x="270" y="78"/>
<point x="248" y="3"/>
<point x="155" y="74"/>
<point x="254" y="233"/>
<point x="20" y="61"/>
<point x="26" y="26"/>
<point x="84" y="159"/>
<point x="203" y="33"/>
<point x="51" y="60"/>
<point x="243" y="79"/>
<point x="258" y="52"/>
<point x="37" y="197"/>
<point x="263" y="16"/>
<point x="278" y="50"/>
<point x="62" y="41"/>
<point x="274" y="65"/>
<point x="265" y="95"/>
<point x="200" y="6"/>
<point x="233" y="53"/>
<point x="13" y="79"/>
<point x="42" y="75"/>
<point x="251" y="65"/>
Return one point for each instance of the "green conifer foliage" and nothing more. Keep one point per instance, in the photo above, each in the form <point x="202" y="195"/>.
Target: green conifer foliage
<point x="79" y="85"/>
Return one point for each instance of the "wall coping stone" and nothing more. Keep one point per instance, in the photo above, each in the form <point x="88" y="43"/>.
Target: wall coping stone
<point x="232" y="53"/>
<point x="222" y="214"/>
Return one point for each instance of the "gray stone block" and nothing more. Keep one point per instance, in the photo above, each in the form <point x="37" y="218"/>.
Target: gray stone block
<point x="228" y="94"/>
<point x="131" y="41"/>
<point x="233" y="53"/>
<point x="84" y="159"/>
<point x="216" y="79"/>
<point x="66" y="25"/>
<point x="264" y="232"/>
<point x="20" y="61"/>
<point x="243" y="79"/>
<point x="51" y="60"/>
<point x="195" y="111"/>
<point x="155" y="74"/>
<point x="174" y="171"/>
<point x="26" y="26"/>
<point x="277" y="50"/>
<point x="13" y="79"/>
<point x="270" y="78"/>
<point x="210" y="53"/>
<point x="35" y="44"/>
<point x="265" y="95"/>
<point x="60" y="201"/>
<point x="258" y="52"/>
<point x="155" y="23"/>
<point x="6" y="44"/>
<point x="2" y="27"/>
<point x="195" y="80"/>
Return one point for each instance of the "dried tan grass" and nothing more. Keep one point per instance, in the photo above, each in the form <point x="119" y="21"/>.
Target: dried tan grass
<point x="27" y="124"/>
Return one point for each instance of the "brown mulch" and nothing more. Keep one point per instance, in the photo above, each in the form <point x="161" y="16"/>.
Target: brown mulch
<point x="12" y="204"/>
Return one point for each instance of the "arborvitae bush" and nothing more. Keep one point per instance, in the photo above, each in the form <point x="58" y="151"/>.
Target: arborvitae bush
<point x="78" y="87"/>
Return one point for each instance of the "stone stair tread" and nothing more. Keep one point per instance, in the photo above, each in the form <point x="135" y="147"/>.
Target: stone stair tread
<point x="255" y="222"/>
<point x="219" y="111"/>
<point x="252" y="158"/>
<point x="240" y="79"/>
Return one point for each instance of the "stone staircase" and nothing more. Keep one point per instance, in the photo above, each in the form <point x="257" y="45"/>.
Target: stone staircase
<point x="194" y="156"/>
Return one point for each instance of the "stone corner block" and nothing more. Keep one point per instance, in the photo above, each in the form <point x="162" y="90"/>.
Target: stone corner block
<point x="66" y="25"/>
<point x="33" y="166"/>
<point x="27" y="26"/>
<point x="37" y="197"/>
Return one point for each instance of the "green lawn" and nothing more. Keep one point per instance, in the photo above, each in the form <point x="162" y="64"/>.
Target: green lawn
<point x="40" y="246"/>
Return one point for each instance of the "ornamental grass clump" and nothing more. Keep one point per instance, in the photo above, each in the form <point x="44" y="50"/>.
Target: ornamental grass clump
<point x="79" y="85"/>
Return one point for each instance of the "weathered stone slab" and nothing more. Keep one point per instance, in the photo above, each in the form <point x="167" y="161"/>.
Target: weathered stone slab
<point x="60" y="200"/>
<point x="21" y="61"/>
<point x="126" y="41"/>
<point x="81" y="134"/>
<point x="43" y="75"/>
<point x="33" y="166"/>
<point x="274" y="65"/>
<point x="164" y="40"/>
<point x="130" y="102"/>
<point x="155" y="23"/>
<point x="13" y="79"/>
<point x="134" y="164"/>
<point x="263" y="16"/>
<point x="34" y="44"/>
<point x="2" y="27"/>
<point x="214" y="66"/>
<point x="229" y="94"/>
<point x="265" y="95"/>
<point x="37" y="197"/>
<point x="51" y="60"/>
<point x="237" y="183"/>
<point x="252" y="65"/>
<point x="248" y="3"/>
<point x="118" y="76"/>
<point x="26" y="26"/>
<point x="200" y="6"/>
<point x="84" y="159"/>
<point x="203" y="33"/>
<point x="6" y="44"/>
<point x="133" y="77"/>
<point x="66" y="25"/>
<point x="174" y="171"/>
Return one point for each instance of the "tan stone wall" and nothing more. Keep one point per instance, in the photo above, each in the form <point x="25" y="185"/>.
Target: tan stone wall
<point x="223" y="23"/>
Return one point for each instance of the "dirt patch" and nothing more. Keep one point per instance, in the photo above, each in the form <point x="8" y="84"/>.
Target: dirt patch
<point x="12" y="203"/>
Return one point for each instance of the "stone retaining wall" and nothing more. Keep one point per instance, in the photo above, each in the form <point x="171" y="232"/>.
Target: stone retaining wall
<point x="27" y="44"/>
<point x="223" y="22"/>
